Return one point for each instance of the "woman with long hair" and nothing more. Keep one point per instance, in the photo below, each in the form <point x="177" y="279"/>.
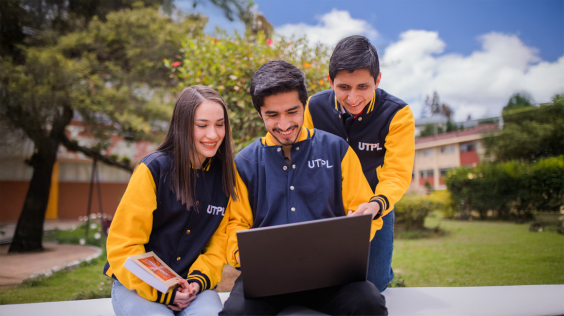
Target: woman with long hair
<point x="175" y="206"/>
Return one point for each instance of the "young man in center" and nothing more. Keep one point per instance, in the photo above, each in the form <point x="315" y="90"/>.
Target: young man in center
<point x="378" y="126"/>
<point x="277" y="183"/>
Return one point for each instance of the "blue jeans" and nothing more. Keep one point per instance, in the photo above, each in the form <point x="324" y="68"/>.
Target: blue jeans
<point x="381" y="248"/>
<point x="129" y="303"/>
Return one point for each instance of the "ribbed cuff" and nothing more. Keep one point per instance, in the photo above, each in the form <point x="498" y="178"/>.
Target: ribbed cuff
<point x="166" y="298"/>
<point x="201" y="279"/>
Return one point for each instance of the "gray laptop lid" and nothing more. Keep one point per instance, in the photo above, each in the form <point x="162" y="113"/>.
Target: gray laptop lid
<point x="304" y="256"/>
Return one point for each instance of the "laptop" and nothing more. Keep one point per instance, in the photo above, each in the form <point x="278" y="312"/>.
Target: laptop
<point x="304" y="256"/>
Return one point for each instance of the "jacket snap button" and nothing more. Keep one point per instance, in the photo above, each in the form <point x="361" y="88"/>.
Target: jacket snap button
<point x="279" y="149"/>
<point x="188" y="231"/>
<point x="292" y="187"/>
<point x="293" y="166"/>
<point x="178" y="259"/>
<point x="293" y="209"/>
<point x="284" y="167"/>
<point x="360" y="119"/>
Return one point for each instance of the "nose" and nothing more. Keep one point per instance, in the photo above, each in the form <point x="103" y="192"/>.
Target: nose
<point x="353" y="95"/>
<point x="211" y="133"/>
<point x="284" y="123"/>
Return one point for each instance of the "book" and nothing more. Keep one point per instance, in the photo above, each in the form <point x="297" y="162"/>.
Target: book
<point x="153" y="271"/>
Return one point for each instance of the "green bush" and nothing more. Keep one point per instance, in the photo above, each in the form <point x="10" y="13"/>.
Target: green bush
<point x="227" y="65"/>
<point x="508" y="190"/>
<point x="411" y="210"/>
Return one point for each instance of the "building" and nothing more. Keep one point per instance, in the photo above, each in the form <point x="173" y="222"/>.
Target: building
<point x="70" y="184"/>
<point x="436" y="155"/>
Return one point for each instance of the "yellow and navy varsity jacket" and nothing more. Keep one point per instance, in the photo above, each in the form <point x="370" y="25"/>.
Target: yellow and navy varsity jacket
<point x="383" y="137"/>
<point x="150" y="218"/>
<point x="323" y="180"/>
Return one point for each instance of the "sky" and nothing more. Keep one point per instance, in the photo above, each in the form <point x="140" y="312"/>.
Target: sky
<point x="474" y="53"/>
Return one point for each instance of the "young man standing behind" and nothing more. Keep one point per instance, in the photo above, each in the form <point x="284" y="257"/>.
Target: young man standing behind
<point x="378" y="126"/>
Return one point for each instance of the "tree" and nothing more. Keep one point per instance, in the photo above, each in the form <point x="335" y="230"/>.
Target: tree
<point x="110" y="72"/>
<point x="520" y="100"/>
<point x="434" y="106"/>
<point x="240" y="57"/>
<point x="529" y="133"/>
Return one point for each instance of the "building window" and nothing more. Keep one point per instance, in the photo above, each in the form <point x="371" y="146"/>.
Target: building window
<point x="449" y="149"/>
<point x="467" y="146"/>
<point x="443" y="172"/>
<point x="426" y="173"/>
<point x="426" y="152"/>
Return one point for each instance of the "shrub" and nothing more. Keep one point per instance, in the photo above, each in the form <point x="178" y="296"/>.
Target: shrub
<point x="228" y="64"/>
<point x="411" y="210"/>
<point x="510" y="189"/>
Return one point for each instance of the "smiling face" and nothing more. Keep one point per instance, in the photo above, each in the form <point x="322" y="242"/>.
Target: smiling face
<point x="209" y="130"/>
<point x="354" y="90"/>
<point x="283" y="116"/>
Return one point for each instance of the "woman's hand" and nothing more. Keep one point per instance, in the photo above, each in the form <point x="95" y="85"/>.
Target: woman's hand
<point x="185" y="295"/>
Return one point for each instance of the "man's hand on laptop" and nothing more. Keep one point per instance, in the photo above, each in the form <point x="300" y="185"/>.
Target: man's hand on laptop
<point x="366" y="208"/>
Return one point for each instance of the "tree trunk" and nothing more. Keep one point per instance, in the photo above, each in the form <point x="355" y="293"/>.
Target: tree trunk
<point x="29" y="231"/>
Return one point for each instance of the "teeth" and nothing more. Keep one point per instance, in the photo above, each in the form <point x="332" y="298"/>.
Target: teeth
<point x="285" y="133"/>
<point x="209" y="144"/>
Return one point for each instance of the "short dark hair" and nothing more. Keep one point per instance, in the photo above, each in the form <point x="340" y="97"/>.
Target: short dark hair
<point x="275" y="77"/>
<point x="353" y="53"/>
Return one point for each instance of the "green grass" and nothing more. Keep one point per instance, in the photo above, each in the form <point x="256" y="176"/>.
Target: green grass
<point x="480" y="254"/>
<point x="85" y="282"/>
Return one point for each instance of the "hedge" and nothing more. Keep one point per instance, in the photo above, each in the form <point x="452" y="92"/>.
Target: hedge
<point x="508" y="190"/>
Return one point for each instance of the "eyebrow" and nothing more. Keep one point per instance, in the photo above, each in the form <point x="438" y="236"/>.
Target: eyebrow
<point x="204" y="120"/>
<point x="288" y="110"/>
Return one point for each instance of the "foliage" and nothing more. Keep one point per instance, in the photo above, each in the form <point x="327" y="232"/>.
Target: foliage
<point x="529" y="134"/>
<point x="434" y="106"/>
<point x="411" y="210"/>
<point x="108" y="74"/>
<point x="520" y="100"/>
<point x="240" y="57"/>
<point x="510" y="189"/>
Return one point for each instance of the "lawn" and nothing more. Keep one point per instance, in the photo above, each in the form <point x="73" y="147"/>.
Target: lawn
<point x="480" y="254"/>
<point x="469" y="254"/>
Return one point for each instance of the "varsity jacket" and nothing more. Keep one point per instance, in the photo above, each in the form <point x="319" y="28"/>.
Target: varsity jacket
<point x="150" y="218"/>
<point x="383" y="137"/>
<point x="323" y="180"/>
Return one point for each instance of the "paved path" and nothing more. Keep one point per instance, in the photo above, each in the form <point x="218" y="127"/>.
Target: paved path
<point x="17" y="267"/>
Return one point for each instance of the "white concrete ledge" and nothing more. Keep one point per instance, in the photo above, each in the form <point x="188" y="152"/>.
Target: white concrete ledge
<point x="527" y="300"/>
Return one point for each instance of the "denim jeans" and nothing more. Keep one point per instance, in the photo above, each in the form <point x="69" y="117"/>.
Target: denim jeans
<point x="129" y="303"/>
<point x="381" y="248"/>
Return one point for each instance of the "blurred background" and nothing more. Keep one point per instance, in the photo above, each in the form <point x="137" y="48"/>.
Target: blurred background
<point x="87" y="90"/>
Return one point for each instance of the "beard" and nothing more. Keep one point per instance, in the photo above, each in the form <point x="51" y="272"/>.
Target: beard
<point x="287" y="142"/>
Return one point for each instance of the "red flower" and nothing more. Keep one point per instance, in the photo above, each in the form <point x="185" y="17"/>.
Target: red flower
<point x="175" y="64"/>
<point x="269" y="42"/>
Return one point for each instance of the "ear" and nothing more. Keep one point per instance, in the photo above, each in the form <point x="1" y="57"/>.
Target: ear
<point x="378" y="80"/>
<point x="330" y="81"/>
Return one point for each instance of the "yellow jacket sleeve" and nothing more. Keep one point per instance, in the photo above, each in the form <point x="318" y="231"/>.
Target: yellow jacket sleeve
<point x="308" y="121"/>
<point x="130" y="231"/>
<point x="240" y="218"/>
<point x="394" y="177"/>
<point x="208" y="267"/>
<point x="356" y="189"/>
